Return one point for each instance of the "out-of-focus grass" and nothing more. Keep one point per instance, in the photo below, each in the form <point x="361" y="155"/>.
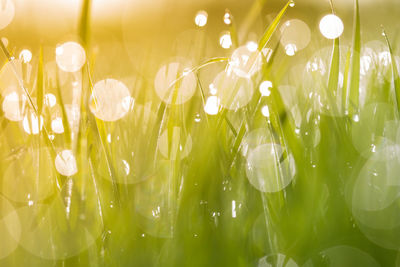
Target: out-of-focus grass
<point x="200" y="210"/>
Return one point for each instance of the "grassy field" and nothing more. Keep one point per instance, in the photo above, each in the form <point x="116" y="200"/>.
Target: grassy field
<point x="250" y="159"/>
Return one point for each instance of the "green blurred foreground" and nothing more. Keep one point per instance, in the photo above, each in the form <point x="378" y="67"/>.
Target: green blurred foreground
<point x="246" y="160"/>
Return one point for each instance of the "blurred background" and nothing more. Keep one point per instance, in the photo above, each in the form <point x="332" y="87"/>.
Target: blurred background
<point x="134" y="32"/>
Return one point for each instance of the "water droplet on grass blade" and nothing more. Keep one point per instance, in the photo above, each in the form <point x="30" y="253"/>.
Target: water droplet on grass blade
<point x="212" y="105"/>
<point x="225" y="40"/>
<point x="25" y="55"/>
<point x="65" y="163"/>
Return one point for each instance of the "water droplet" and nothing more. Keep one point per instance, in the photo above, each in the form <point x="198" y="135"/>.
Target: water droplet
<point x="292" y="3"/>
<point x="227" y="17"/>
<point x="201" y="18"/>
<point x="65" y="163"/>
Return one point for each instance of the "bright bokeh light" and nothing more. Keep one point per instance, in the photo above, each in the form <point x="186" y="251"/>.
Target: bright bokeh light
<point x="225" y="40"/>
<point x="14" y="106"/>
<point x="228" y="18"/>
<point x="25" y="55"/>
<point x="50" y="100"/>
<point x="212" y="105"/>
<point x="7" y="13"/>
<point x="295" y="36"/>
<point x="252" y="46"/>
<point x="331" y="26"/>
<point x="201" y="18"/>
<point x="70" y="56"/>
<point x="265" y="87"/>
<point x="290" y="50"/>
<point x="265" y="171"/>
<point x="174" y="84"/>
<point x="10" y="229"/>
<point x="57" y="125"/>
<point x="234" y="92"/>
<point x="265" y="111"/>
<point x="179" y="143"/>
<point x="65" y="163"/>
<point x="110" y="100"/>
<point x="244" y="62"/>
<point x="31" y="123"/>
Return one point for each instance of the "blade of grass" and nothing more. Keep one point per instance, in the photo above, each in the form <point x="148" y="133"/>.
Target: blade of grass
<point x="84" y="22"/>
<point x="395" y="72"/>
<point x="354" y="77"/>
<point x="272" y="27"/>
<point x="39" y="82"/>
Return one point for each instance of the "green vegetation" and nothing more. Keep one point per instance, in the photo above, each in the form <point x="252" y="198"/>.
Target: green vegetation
<point x="304" y="175"/>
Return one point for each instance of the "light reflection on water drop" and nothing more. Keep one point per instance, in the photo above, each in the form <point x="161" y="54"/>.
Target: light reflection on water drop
<point x="212" y="105"/>
<point x="65" y="163"/>
<point x="225" y="40"/>
<point x="201" y="18"/>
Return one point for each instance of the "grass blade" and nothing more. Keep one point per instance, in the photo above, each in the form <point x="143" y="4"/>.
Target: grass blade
<point x="84" y="23"/>
<point x="39" y="82"/>
<point x="272" y="27"/>
<point x="354" y="77"/>
<point x="395" y="72"/>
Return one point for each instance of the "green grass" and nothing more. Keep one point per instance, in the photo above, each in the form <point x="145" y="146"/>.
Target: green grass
<point x="203" y="209"/>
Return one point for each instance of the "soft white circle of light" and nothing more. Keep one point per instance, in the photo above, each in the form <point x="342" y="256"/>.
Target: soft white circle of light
<point x="225" y="40"/>
<point x="65" y="163"/>
<point x="57" y="125"/>
<point x="233" y="91"/>
<point x="25" y="55"/>
<point x="10" y="228"/>
<point x="110" y="100"/>
<point x="50" y="100"/>
<point x="212" y="105"/>
<point x="7" y="13"/>
<point x="14" y="106"/>
<point x="295" y="35"/>
<point x="264" y="88"/>
<point x="244" y="62"/>
<point x="265" y="170"/>
<point x="201" y="18"/>
<point x="22" y="174"/>
<point x="331" y="26"/>
<point x="174" y="84"/>
<point x="31" y="123"/>
<point x="265" y="111"/>
<point x="70" y="56"/>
